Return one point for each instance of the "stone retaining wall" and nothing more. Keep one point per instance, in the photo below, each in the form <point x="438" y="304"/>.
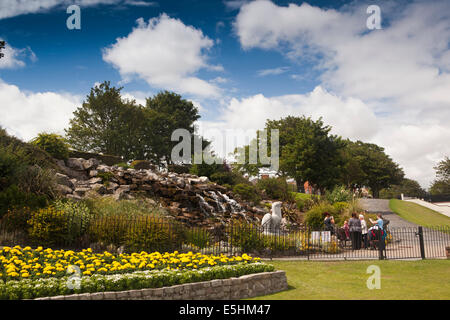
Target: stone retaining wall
<point x="247" y="286"/>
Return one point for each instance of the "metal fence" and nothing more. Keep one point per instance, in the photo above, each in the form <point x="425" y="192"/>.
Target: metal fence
<point x="148" y="233"/>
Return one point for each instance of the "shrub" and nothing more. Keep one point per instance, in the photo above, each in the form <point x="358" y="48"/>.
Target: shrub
<point x="108" y="230"/>
<point x="247" y="237"/>
<point x="339" y="194"/>
<point x="315" y="216"/>
<point x="13" y="197"/>
<point x="247" y="192"/>
<point x="16" y="219"/>
<point x="305" y="201"/>
<point x="109" y="207"/>
<point x="26" y="153"/>
<point x="48" y="227"/>
<point x="9" y="164"/>
<point x="200" y="238"/>
<point x="34" y="179"/>
<point x="105" y="176"/>
<point x="149" y="234"/>
<point x="275" y="188"/>
<point x="53" y="144"/>
<point x="77" y="213"/>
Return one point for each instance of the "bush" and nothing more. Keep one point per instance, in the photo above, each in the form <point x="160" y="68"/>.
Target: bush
<point x="339" y="194"/>
<point x="9" y="164"/>
<point x="305" y="201"/>
<point x="48" y="227"/>
<point x="315" y="216"/>
<point x="16" y="219"/>
<point x="108" y="230"/>
<point x="275" y="188"/>
<point x="13" y="197"/>
<point x="34" y="179"/>
<point x="109" y="207"/>
<point x="178" y="168"/>
<point x="247" y="192"/>
<point x="53" y="144"/>
<point x="78" y="216"/>
<point x="148" y="234"/>
<point x="247" y="237"/>
<point x="200" y="238"/>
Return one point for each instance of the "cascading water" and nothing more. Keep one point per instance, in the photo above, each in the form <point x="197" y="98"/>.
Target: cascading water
<point x="218" y="201"/>
<point x="205" y="207"/>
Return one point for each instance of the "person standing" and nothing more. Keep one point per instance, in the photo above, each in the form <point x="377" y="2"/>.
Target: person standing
<point x="364" y="230"/>
<point x="354" y="225"/>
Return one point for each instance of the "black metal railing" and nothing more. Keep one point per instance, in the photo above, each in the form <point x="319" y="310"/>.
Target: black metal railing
<point x="120" y="233"/>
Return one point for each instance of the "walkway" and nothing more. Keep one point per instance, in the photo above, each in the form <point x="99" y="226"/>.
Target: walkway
<point x="445" y="210"/>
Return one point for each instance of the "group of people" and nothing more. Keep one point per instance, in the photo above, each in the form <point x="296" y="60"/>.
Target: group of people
<point x="355" y="229"/>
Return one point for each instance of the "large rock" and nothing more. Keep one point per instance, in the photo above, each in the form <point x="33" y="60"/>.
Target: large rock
<point x="75" y="163"/>
<point x="64" y="180"/>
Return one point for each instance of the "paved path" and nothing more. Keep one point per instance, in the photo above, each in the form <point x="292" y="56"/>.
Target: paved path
<point x="382" y="205"/>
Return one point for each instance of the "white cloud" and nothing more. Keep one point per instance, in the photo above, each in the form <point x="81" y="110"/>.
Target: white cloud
<point x="165" y="53"/>
<point x="349" y="117"/>
<point x="14" y="58"/>
<point x="273" y="71"/>
<point x="24" y="114"/>
<point x="13" y="8"/>
<point x="401" y="73"/>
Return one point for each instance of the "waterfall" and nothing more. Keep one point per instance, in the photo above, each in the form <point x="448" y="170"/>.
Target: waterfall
<point x="235" y="207"/>
<point x="217" y="200"/>
<point x="205" y="207"/>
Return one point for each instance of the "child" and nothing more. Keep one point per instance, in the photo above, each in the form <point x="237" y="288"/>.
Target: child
<point x="347" y="230"/>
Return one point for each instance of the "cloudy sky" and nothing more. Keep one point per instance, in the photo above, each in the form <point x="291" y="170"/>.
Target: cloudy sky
<point x="241" y="62"/>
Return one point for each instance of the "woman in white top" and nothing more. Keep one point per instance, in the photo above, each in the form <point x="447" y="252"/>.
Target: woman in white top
<point x="363" y="230"/>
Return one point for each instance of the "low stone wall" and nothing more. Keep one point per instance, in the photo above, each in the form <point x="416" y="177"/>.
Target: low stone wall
<point x="247" y="286"/>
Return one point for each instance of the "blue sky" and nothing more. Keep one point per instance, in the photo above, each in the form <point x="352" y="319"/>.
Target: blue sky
<point x="241" y="62"/>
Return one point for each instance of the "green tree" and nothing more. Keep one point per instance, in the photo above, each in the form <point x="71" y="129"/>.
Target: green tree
<point x="375" y="168"/>
<point x="442" y="183"/>
<point x="103" y="123"/>
<point x="308" y="152"/>
<point x="408" y="187"/>
<point x="165" y="113"/>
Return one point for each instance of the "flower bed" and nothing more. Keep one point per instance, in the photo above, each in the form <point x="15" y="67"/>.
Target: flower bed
<point x="27" y="273"/>
<point x="22" y="263"/>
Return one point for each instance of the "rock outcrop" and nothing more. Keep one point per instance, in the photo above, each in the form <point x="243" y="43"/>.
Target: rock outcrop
<point x="189" y="198"/>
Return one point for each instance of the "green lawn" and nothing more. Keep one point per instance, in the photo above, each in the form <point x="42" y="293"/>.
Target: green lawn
<point x="418" y="214"/>
<point x="422" y="280"/>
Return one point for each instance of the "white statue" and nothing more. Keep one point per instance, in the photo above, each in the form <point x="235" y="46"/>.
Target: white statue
<point x="271" y="221"/>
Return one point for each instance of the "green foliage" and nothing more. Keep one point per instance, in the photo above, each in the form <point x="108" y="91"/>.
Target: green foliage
<point x="38" y="181"/>
<point x="247" y="192"/>
<point x="35" y="288"/>
<point x="339" y="194"/>
<point x="25" y="153"/>
<point x="9" y="165"/>
<point x="408" y="187"/>
<point x="16" y="219"/>
<point x="105" y="176"/>
<point x="54" y="144"/>
<point x="14" y="197"/>
<point x="78" y="215"/>
<point x="199" y="238"/>
<point x="441" y="186"/>
<point x="142" y="164"/>
<point x="247" y="237"/>
<point x="48" y="226"/>
<point x="307" y="151"/>
<point x="179" y="168"/>
<point x="305" y="201"/>
<point x="314" y="217"/>
<point x="370" y="166"/>
<point x="275" y="188"/>
<point x="109" y="207"/>
<point x="151" y="235"/>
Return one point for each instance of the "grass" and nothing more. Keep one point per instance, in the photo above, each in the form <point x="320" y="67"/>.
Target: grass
<point x="417" y="214"/>
<point x="346" y="280"/>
